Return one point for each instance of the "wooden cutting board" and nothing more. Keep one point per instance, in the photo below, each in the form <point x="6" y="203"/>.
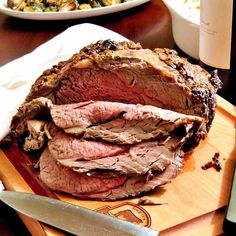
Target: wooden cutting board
<point x="194" y="194"/>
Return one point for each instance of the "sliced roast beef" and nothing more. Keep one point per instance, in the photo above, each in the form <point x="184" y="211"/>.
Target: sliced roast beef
<point x="121" y="123"/>
<point x="142" y="163"/>
<point x="155" y="144"/>
<point x="63" y="179"/>
<point x="114" y="122"/>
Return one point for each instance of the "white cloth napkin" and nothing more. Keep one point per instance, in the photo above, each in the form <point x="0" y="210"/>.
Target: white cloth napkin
<point x="17" y="76"/>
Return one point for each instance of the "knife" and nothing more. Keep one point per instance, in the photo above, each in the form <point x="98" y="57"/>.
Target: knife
<point x="70" y="217"/>
<point x="229" y="224"/>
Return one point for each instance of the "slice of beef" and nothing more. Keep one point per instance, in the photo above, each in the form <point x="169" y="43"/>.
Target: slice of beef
<point x="135" y="185"/>
<point x="60" y="178"/>
<point x="122" y="123"/>
<point x="139" y="159"/>
<point x="145" y="124"/>
<point x="63" y="147"/>
<point x="75" y="118"/>
<point x="125" y="72"/>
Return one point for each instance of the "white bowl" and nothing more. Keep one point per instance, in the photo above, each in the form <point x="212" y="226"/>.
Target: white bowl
<point x="185" y="31"/>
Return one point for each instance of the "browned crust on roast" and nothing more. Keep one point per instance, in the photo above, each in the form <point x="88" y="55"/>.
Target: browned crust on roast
<point x="187" y="75"/>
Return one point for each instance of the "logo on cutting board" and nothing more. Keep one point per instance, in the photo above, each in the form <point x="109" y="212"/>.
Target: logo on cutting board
<point x="128" y="211"/>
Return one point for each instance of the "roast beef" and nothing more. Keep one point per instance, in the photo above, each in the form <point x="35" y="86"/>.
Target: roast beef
<point x="116" y="120"/>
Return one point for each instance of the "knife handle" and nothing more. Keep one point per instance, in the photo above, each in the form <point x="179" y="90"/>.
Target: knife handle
<point x="229" y="224"/>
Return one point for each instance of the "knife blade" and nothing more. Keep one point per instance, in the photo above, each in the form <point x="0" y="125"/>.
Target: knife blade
<point x="229" y="224"/>
<point x="70" y="217"/>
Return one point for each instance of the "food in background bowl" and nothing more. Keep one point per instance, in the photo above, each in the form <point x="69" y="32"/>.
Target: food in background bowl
<point x="185" y="24"/>
<point x="189" y="9"/>
<point x="58" y="5"/>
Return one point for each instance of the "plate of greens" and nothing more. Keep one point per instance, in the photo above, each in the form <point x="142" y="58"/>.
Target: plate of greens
<point x="64" y="9"/>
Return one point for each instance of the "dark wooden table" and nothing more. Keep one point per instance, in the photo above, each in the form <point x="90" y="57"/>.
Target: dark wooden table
<point x="149" y="24"/>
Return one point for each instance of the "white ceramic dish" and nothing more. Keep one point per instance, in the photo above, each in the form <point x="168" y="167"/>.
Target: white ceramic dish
<point x="185" y="30"/>
<point x="70" y="14"/>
